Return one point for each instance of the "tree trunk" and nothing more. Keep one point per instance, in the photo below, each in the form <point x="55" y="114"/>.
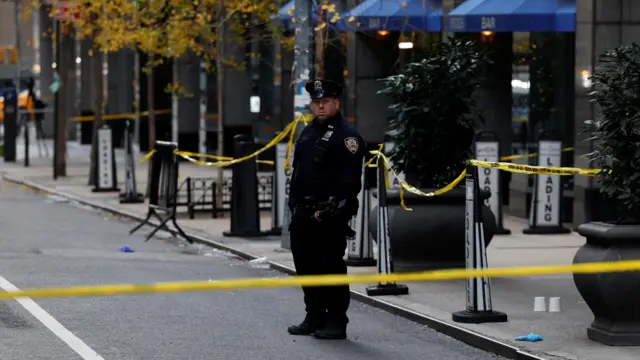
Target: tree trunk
<point x="152" y="119"/>
<point x="98" y="80"/>
<point x="220" y="74"/>
<point x="320" y="40"/>
<point x="63" y="63"/>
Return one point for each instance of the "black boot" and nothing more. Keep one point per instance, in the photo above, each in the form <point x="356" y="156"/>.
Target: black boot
<point x="307" y="327"/>
<point x="332" y="331"/>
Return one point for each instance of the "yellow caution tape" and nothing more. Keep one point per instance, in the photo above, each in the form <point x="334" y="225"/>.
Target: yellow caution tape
<point x="118" y="116"/>
<point x="525" y="156"/>
<point x="225" y="161"/>
<point x="405" y="186"/>
<point x="530" y="169"/>
<point x="321" y="280"/>
<point x="303" y="118"/>
<point x="217" y="157"/>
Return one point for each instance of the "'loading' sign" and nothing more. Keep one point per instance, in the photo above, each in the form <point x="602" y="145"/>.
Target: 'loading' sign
<point x="548" y="186"/>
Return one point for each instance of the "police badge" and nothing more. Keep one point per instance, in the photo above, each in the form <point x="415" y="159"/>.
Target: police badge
<point x="352" y="144"/>
<point x="317" y="87"/>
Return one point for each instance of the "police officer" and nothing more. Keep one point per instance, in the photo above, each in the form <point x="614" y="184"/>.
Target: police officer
<point x="325" y="183"/>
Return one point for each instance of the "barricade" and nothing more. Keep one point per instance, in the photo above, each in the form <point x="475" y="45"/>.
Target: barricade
<point x="487" y="148"/>
<point x="385" y="261"/>
<point x="130" y="194"/>
<point x="360" y="247"/>
<point x="245" y="214"/>
<point x="105" y="174"/>
<point x="163" y="190"/>
<point x="479" y="308"/>
<point x="394" y="181"/>
<point x="545" y="215"/>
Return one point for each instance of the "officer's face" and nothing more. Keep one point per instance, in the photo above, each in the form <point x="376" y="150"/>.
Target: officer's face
<point x="324" y="108"/>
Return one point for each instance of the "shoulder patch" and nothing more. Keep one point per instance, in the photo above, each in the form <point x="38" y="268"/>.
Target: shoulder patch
<point x="352" y="144"/>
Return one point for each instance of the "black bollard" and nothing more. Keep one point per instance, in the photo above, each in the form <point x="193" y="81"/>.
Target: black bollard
<point x="487" y="148"/>
<point x="10" y="123"/>
<point x="245" y="213"/>
<point x="545" y="215"/>
<point x="130" y="194"/>
<point x="479" y="309"/>
<point x="106" y="175"/>
<point x="385" y="261"/>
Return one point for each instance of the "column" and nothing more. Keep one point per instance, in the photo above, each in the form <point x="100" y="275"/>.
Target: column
<point x="189" y="102"/>
<point x="369" y="58"/>
<point x="600" y="25"/>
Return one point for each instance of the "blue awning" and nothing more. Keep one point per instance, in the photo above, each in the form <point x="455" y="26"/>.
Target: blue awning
<point x="287" y="14"/>
<point x="395" y="15"/>
<point x="513" y="16"/>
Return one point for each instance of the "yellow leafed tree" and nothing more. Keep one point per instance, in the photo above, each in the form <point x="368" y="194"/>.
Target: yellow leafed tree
<point x="164" y="30"/>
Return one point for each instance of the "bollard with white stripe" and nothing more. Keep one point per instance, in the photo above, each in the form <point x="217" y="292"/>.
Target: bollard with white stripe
<point x="360" y="248"/>
<point x="105" y="174"/>
<point x="545" y="215"/>
<point x="385" y="261"/>
<point x="479" y="309"/>
<point x="393" y="181"/>
<point x="488" y="149"/>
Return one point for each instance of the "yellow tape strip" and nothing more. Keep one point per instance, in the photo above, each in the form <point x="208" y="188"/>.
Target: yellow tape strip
<point x="405" y="186"/>
<point x="525" y="156"/>
<point x="118" y="116"/>
<point x="224" y="161"/>
<point x="530" y="169"/>
<point x="320" y="280"/>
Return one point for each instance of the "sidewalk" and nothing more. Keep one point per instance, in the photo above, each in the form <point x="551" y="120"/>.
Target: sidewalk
<point x="564" y="333"/>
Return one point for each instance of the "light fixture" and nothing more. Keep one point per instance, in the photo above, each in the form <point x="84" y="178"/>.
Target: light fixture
<point x="520" y="84"/>
<point x="78" y="60"/>
<point x="54" y="65"/>
<point x="586" y="81"/>
<point x="405" y="45"/>
<point x="487" y="33"/>
<point x="383" y="33"/>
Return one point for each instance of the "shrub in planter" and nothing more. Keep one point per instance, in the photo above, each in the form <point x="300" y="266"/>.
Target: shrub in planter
<point x="614" y="297"/>
<point x="433" y="131"/>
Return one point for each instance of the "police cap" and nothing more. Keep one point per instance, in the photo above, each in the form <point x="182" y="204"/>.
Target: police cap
<point x="321" y="89"/>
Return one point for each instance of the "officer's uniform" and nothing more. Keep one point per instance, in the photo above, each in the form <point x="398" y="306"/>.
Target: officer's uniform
<point x="325" y="183"/>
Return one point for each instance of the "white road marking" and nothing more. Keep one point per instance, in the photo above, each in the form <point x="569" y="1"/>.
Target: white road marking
<point x="52" y="324"/>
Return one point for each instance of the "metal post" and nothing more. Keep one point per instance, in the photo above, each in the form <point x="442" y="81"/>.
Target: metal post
<point x="16" y="17"/>
<point x="220" y="74"/>
<point x="202" y="124"/>
<point x="174" y="103"/>
<point x="136" y="96"/>
<point x="302" y="62"/>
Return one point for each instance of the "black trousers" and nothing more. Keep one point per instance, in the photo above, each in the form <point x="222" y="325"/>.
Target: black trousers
<point x="318" y="248"/>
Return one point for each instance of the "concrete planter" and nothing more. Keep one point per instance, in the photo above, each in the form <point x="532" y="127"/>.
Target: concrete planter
<point x="432" y="236"/>
<point x="613" y="298"/>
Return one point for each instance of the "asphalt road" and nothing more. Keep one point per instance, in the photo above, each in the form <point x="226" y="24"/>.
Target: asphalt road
<point x="45" y="242"/>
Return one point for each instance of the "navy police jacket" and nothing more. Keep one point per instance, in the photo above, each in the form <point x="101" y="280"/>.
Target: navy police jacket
<point x="328" y="161"/>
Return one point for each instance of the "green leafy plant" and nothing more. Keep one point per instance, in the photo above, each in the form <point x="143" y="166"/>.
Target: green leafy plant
<point x="616" y="134"/>
<point x="434" y="109"/>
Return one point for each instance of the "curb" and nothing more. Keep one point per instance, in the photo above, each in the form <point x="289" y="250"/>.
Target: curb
<point x="469" y="337"/>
